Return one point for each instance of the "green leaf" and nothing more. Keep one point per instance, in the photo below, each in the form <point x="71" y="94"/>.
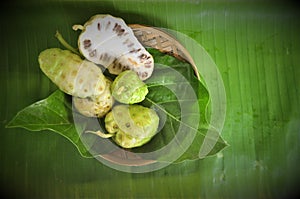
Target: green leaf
<point x="171" y="76"/>
<point x="164" y="100"/>
<point x="53" y="113"/>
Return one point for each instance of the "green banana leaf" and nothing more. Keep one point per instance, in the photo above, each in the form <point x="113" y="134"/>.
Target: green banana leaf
<point x="256" y="47"/>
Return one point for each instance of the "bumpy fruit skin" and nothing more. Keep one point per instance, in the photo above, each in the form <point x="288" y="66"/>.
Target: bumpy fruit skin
<point x="127" y="88"/>
<point x="133" y="125"/>
<point x="96" y="106"/>
<point x="72" y="75"/>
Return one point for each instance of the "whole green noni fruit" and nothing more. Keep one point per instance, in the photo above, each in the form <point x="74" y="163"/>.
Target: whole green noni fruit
<point x="132" y="125"/>
<point x="127" y="88"/>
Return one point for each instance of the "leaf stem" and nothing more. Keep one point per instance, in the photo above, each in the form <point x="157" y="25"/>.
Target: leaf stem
<point x="65" y="43"/>
<point x="99" y="133"/>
